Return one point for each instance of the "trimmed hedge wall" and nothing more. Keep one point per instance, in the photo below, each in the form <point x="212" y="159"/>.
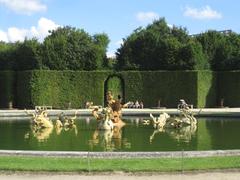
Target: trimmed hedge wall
<point x="228" y="85"/>
<point x="59" y="88"/>
<point x="207" y="92"/>
<point x="24" y="89"/>
<point x="166" y="86"/>
<point x="7" y="88"/>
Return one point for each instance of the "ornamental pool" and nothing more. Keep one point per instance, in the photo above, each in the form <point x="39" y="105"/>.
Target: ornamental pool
<point x="209" y="134"/>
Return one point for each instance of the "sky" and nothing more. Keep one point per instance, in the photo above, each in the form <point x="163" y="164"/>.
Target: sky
<point x="20" y="19"/>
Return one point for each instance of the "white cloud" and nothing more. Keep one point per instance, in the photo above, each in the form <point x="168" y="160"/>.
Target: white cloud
<point x="111" y="54"/>
<point x="147" y="16"/>
<point x="202" y="13"/>
<point x="3" y="36"/>
<point x="42" y="30"/>
<point x="14" y="34"/>
<point x="24" y="6"/>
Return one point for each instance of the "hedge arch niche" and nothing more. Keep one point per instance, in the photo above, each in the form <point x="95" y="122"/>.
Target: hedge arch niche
<point x="115" y="84"/>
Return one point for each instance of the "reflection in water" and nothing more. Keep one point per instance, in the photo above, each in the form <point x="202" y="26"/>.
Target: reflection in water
<point x="87" y="120"/>
<point x="209" y="134"/>
<point x="109" y="140"/>
<point x="73" y="127"/>
<point x="102" y="138"/>
<point x="42" y="134"/>
<point x="135" y="121"/>
<point x="172" y="127"/>
<point x="184" y="133"/>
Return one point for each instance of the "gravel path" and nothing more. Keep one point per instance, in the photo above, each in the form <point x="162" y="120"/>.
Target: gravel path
<point x="124" y="176"/>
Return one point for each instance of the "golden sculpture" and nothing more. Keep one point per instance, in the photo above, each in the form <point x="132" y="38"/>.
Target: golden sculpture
<point x="178" y="127"/>
<point x="40" y="119"/>
<point x="42" y="126"/>
<point x="65" y="121"/>
<point x="104" y="119"/>
<point x="116" y="106"/>
<point x="109" y="124"/>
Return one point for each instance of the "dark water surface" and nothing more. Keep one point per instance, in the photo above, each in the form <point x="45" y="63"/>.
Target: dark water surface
<point x="209" y="134"/>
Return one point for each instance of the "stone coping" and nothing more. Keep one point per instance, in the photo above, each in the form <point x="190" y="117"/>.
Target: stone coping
<point x="85" y="154"/>
<point x="209" y="112"/>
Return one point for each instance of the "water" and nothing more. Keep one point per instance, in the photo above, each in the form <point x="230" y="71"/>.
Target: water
<point x="209" y="134"/>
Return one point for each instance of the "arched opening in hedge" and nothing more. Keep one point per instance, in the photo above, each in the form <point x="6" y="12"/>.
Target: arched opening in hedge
<point x="115" y="84"/>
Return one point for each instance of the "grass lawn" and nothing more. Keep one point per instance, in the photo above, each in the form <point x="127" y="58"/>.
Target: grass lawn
<point x="19" y="163"/>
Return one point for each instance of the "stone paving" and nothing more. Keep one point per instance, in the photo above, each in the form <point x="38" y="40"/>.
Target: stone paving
<point x="111" y="155"/>
<point x="221" y="175"/>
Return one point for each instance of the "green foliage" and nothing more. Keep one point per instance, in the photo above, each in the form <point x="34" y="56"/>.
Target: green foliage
<point x="210" y="40"/>
<point x="27" y="89"/>
<point x="155" y="47"/>
<point x="28" y="55"/>
<point x="20" y="55"/>
<point x="207" y="89"/>
<point x="228" y="87"/>
<point x="115" y="84"/>
<point x="8" y="55"/>
<point x="101" y="41"/>
<point x="7" y="90"/>
<point x="59" y="88"/>
<point x="221" y="50"/>
<point x="159" y="47"/>
<point x="166" y="86"/>
<point x="69" y="48"/>
<point x="111" y="63"/>
<point x="66" y="48"/>
<point x="24" y="90"/>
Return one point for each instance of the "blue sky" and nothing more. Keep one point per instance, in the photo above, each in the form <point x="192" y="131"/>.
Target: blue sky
<point x="117" y="18"/>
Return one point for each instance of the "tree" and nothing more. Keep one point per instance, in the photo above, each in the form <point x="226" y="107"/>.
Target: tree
<point x="193" y="52"/>
<point x="101" y="41"/>
<point x="8" y="55"/>
<point x="159" y="47"/>
<point x="222" y="50"/>
<point x="28" y="55"/>
<point x="74" y="49"/>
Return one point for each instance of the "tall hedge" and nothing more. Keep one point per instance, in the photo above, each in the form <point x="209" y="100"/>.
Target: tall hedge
<point x="166" y="86"/>
<point x="7" y="88"/>
<point x="60" y="89"/>
<point x="228" y="88"/>
<point x="207" y="92"/>
<point x="24" y="89"/>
